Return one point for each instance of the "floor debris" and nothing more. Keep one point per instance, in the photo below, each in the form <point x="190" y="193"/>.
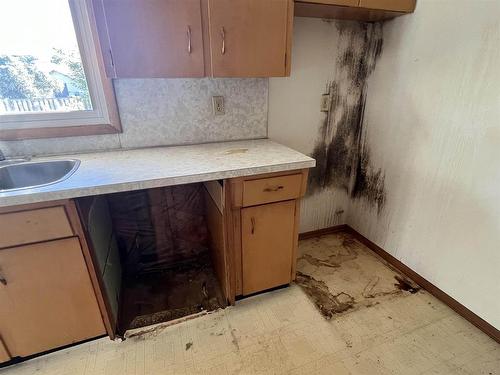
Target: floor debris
<point x="281" y="332"/>
<point x="331" y="268"/>
<point x="192" y="288"/>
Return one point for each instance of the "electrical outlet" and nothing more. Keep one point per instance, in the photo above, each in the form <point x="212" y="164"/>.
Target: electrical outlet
<point x="218" y="104"/>
<point x="325" y="103"/>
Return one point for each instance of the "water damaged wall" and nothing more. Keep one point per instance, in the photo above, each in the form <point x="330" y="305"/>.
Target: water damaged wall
<point x="433" y="110"/>
<point x="341" y="151"/>
<point x="335" y="58"/>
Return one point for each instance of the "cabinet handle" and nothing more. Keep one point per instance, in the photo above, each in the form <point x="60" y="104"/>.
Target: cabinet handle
<point x="189" y="39"/>
<point x="223" y="36"/>
<point x="252" y="220"/>
<point x="274" y="188"/>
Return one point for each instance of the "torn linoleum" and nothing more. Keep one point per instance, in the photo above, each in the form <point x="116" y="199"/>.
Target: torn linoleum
<point x="332" y="267"/>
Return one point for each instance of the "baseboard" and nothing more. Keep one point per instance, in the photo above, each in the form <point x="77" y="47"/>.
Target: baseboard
<point x="321" y="232"/>
<point x="460" y="309"/>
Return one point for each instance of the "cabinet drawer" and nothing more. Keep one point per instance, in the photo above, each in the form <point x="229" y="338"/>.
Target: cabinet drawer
<point x="18" y="228"/>
<point x="273" y="189"/>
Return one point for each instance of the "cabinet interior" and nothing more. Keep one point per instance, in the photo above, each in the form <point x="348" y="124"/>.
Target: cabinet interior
<point x="153" y="250"/>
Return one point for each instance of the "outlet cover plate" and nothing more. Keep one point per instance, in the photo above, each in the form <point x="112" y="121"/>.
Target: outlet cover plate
<point x="218" y="105"/>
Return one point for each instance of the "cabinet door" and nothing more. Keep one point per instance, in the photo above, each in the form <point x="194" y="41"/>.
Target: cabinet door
<point x="153" y="38"/>
<point x="47" y="300"/>
<point x="249" y="38"/>
<point x="267" y="241"/>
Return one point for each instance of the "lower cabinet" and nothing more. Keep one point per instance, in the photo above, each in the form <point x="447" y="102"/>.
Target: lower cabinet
<point x="46" y="298"/>
<point x="267" y="238"/>
<point x="262" y="220"/>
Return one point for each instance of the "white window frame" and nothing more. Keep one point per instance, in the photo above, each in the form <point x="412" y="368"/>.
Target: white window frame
<point x="103" y="118"/>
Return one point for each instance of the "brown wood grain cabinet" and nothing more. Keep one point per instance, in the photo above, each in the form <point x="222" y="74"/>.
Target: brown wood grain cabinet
<point x="153" y="38"/>
<point x="349" y="3"/>
<point x="49" y="293"/>
<point x="250" y="38"/>
<point x="267" y="237"/>
<point x="262" y="221"/>
<point x="195" y="38"/>
<point x="390" y="5"/>
<point x="22" y="227"/>
<point x="359" y="10"/>
<point x="47" y="297"/>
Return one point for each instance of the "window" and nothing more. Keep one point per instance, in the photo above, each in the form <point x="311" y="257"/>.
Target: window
<point x="52" y="79"/>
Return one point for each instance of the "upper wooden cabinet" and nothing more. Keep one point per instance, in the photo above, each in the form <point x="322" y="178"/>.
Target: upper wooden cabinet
<point x="195" y="38"/>
<point x="348" y="3"/>
<point x="360" y="10"/>
<point x="153" y="38"/>
<point x="406" y="6"/>
<point x="250" y="38"/>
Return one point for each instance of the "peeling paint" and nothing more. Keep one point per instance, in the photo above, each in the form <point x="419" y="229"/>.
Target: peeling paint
<point x="341" y="153"/>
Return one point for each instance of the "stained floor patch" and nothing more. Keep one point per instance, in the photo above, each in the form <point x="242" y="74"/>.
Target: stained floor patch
<point x="327" y="303"/>
<point x="332" y="269"/>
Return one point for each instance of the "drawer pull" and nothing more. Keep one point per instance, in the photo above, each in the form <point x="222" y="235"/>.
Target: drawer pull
<point x="274" y="188"/>
<point x="223" y="36"/>
<point x="252" y="220"/>
<point x="189" y="39"/>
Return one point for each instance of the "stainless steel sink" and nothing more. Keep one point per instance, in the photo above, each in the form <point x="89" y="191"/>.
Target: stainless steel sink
<point x="33" y="174"/>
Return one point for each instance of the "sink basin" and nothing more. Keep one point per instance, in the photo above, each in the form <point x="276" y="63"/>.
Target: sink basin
<point x="29" y="175"/>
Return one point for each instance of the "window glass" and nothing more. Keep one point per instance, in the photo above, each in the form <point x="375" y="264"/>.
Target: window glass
<point x="41" y="69"/>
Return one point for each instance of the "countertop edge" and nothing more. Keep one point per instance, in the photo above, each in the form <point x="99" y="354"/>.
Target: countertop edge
<point x="47" y="196"/>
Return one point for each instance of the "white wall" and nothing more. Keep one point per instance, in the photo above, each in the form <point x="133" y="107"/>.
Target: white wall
<point x="433" y="122"/>
<point x="295" y="118"/>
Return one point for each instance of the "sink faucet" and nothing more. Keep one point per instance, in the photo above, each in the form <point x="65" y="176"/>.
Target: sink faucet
<point x="12" y="160"/>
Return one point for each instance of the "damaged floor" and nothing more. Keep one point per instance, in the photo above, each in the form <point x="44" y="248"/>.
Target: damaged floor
<point x="350" y="314"/>
<point x="192" y="287"/>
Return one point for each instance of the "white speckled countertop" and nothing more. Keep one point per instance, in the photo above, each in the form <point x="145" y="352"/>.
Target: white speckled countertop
<point x="124" y="170"/>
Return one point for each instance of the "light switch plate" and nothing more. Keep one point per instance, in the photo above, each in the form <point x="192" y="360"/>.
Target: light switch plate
<point x="325" y="103"/>
<point x="218" y="105"/>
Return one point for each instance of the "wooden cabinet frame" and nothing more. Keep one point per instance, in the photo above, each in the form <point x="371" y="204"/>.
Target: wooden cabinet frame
<point x="74" y="220"/>
<point x="233" y="199"/>
<point x="359" y="10"/>
<point x="117" y="42"/>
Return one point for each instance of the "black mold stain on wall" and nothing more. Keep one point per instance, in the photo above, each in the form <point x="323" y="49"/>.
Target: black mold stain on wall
<point x="341" y="152"/>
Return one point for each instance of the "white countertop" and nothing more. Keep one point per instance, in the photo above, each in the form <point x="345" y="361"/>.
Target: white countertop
<point x="124" y="170"/>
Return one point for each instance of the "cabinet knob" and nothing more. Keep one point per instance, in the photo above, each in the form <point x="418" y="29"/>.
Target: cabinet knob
<point x="3" y="280"/>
